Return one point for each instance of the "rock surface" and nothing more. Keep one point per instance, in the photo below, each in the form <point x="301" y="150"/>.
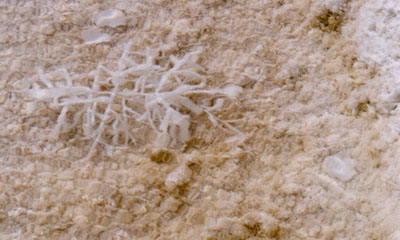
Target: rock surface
<point x="318" y="85"/>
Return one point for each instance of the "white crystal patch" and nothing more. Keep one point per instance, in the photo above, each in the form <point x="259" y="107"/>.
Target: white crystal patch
<point x="94" y="35"/>
<point x="341" y="168"/>
<point x="110" y="18"/>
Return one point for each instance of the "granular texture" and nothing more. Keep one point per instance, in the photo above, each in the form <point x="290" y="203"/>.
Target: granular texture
<point x="316" y="156"/>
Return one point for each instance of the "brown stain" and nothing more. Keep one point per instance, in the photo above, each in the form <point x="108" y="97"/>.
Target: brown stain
<point x="328" y="21"/>
<point x="162" y="156"/>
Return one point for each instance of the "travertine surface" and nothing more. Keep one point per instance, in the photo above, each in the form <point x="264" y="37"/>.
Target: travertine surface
<point x="317" y="159"/>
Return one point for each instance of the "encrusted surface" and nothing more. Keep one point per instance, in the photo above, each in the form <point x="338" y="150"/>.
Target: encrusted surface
<point x="314" y="88"/>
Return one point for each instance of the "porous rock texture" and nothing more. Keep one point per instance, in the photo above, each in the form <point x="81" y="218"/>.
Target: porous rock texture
<point x="317" y="157"/>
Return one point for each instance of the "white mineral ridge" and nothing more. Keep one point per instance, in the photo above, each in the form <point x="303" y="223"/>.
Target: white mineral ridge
<point x="94" y="35"/>
<point x="341" y="168"/>
<point x="110" y="18"/>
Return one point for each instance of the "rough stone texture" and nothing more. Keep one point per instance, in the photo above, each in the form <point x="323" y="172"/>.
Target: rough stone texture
<point x="310" y="91"/>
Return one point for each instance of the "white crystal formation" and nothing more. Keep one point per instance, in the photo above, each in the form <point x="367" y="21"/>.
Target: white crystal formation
<point x="341" y="168"/>
<point x="178" y="177"/>
<point x="94" y="35"/>
<point x="110" y="18"/>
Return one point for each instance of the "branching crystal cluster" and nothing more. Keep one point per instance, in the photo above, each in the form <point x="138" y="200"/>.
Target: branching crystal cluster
<point x="139" y="92"/>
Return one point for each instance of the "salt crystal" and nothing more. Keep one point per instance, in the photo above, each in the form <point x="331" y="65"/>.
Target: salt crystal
<point x="110" y="18"/>
<point x="342" y="168"/>
<point x="94" y="35"/>
<point x="178" y="177"/>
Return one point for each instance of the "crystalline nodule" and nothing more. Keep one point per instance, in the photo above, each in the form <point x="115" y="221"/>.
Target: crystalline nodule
<point x="111" y="18"/>
<point x="341" y="168"/>
<point x="94" y="35"/>
<point x="178" y="176"/>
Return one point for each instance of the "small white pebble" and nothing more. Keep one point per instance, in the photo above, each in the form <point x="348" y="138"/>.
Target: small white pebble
<point x="170" y="204"/>
<point x="47" y="29"/>
<point x="341" y="168"/>
<point x="94" y="35"/>
<point x="110" y="18"/>
<point x="178" y="177"/>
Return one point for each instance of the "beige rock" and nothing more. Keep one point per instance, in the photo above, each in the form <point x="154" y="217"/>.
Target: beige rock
<point x="178" y="176"/>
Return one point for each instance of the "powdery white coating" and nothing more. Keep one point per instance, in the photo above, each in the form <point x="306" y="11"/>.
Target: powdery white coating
<point x="94" y="35"/>
<point x="342" y="168"/>
<point x="395" y="235"/>
<point x="379" y="31"/>
<point x="110" y="18"/>
<point x="377" y="35"/>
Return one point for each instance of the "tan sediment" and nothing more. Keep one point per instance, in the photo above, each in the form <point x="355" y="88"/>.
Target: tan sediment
<point x="307" y="96"/>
